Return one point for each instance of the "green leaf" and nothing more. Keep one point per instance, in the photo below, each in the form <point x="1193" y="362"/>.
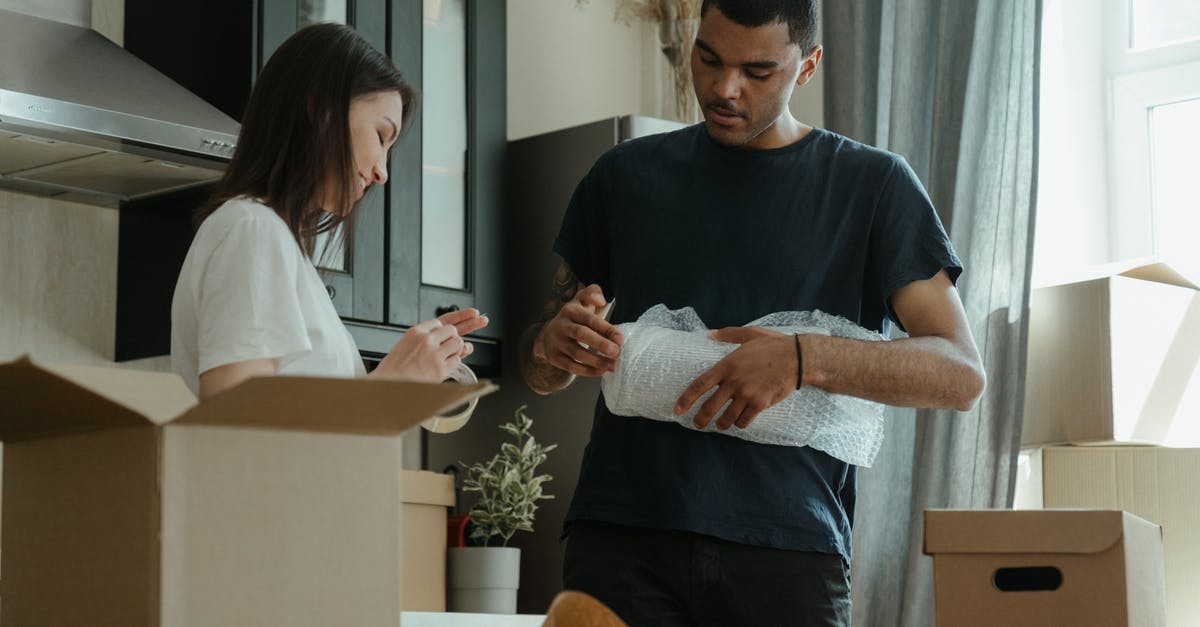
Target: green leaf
<point x="508" y="485"/>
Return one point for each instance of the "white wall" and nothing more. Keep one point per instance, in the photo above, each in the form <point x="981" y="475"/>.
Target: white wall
<point x="570" y="65"/>
<point x="58" y="287"/>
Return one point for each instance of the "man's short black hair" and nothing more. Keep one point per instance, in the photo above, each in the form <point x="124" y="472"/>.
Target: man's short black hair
<point x="799" y="15"/>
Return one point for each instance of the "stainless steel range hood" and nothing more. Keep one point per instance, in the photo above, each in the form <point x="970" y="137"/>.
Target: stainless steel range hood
<point x="82" y="118"/>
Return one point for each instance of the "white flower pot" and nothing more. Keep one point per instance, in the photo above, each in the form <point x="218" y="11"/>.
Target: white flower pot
<point x="483" y="579"/>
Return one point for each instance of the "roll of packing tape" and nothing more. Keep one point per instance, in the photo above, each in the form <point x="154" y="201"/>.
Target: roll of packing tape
<point x="454" y="422"/>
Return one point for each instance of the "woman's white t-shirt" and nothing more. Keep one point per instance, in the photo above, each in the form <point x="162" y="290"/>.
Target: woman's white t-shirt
<point x="246" y="291"/>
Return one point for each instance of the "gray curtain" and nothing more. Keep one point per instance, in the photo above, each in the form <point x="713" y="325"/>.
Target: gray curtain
<point x="952" y="86"/>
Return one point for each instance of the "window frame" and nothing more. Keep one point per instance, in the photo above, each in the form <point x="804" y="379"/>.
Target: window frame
<point x="1137" y="79"/>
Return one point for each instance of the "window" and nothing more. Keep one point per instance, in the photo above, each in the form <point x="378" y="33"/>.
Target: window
<point x="1161" y="22"/>
<point x="1119" y="135"/>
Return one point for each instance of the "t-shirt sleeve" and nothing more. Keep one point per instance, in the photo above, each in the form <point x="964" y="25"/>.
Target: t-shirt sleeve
<point x="583" y="239"/>
<point x="908" y="242"/>
<point x="247" y="304"/>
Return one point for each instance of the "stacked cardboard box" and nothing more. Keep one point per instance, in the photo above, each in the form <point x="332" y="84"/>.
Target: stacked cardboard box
<point x="1066" y="568"/>
<point x="279" y="502"/>
<point x="1112" y="411"/>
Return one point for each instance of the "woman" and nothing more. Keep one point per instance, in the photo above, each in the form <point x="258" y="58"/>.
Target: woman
<point x="321" y="120"/>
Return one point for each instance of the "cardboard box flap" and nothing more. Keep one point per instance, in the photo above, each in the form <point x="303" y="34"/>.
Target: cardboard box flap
<point x="428" y="488"/>
<point x="1160" y="272"/>
<point x="1030" y="531"/>
<point x="1150" y="268"/>
<point x="43" y="400"/>
<point x="327" y="405"/>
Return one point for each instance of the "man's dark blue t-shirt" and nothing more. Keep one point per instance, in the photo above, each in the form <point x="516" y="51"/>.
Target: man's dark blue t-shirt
<point x="824" y="223"/>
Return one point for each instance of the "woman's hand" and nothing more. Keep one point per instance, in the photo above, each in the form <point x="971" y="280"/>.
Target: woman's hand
<point x="430" y="351"/>
<point x="467" y="321"/>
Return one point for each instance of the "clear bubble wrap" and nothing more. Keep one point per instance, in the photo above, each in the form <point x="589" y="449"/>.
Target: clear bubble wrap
<point x="665" y="350"/>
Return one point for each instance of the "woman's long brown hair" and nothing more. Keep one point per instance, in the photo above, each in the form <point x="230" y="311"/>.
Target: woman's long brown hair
<point x="294" y="146"/>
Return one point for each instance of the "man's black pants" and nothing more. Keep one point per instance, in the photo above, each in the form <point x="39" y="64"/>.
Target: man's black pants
<point x="662" y="578"/>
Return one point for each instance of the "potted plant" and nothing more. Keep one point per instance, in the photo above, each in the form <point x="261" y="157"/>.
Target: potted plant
<point x="484" y="578"/>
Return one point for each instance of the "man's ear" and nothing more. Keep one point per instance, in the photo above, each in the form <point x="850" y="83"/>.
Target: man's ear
<point x="808" y="66"/>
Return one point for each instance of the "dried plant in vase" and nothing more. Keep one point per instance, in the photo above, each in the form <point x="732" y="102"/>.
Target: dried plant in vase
<point x="677" y="22"/>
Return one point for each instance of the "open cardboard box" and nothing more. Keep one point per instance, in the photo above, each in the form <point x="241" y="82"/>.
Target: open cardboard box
<point x="1112" y="359"/>
<point x="278" y="502"/>
<point x="1066" y="568"/>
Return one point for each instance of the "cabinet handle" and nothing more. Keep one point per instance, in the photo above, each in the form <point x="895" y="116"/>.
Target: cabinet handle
<point x="441" y="311"/>
<point x="331" y="290"/>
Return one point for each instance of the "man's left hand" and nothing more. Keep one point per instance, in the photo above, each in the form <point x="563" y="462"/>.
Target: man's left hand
<point x="760" y="373"/>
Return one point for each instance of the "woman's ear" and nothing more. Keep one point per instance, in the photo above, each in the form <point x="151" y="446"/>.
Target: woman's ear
<point x="317" y="117"/>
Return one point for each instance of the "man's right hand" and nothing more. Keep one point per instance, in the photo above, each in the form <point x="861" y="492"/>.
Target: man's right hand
<point x="578" y="340"/>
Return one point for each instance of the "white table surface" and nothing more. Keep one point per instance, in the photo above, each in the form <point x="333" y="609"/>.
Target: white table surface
<point x="456" y="619"/>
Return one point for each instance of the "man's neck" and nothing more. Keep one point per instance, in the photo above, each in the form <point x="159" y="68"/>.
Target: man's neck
<point x="786" y="131"/>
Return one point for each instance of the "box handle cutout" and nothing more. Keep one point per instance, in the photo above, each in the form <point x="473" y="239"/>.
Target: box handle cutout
<point x="1027" y="578"/>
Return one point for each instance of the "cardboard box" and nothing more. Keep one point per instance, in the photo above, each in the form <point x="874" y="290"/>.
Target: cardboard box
<point x="1157" y="484"/>
<point x="1113" y="360"/>
<point x="426" y="495"/>
<point x="1060" y="568"/>
<point x="277" y="502"/>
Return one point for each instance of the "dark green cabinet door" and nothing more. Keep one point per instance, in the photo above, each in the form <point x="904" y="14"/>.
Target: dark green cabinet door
<point x="446" y="186"/>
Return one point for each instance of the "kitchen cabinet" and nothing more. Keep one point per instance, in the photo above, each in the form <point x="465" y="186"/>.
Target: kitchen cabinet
<point x="438" y="215"/>
<point x="424" y="210"/>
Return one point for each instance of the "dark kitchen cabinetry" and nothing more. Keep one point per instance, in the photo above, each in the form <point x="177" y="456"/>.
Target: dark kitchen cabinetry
<point x="420" y="286"/>
<point x="449" y="161"/>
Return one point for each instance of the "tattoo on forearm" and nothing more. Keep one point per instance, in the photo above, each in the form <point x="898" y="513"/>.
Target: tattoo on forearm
<point x="545" y="378"/>
<point x="566" y="284"/>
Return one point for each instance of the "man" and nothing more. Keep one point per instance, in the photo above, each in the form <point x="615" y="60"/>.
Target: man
<point x="749" y="213"/>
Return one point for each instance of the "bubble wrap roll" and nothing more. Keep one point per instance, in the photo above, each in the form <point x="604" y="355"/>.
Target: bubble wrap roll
<point x="665" y="350"/>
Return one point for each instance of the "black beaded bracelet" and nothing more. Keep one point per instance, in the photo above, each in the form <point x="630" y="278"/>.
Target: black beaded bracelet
<point x="799" y="361"/>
